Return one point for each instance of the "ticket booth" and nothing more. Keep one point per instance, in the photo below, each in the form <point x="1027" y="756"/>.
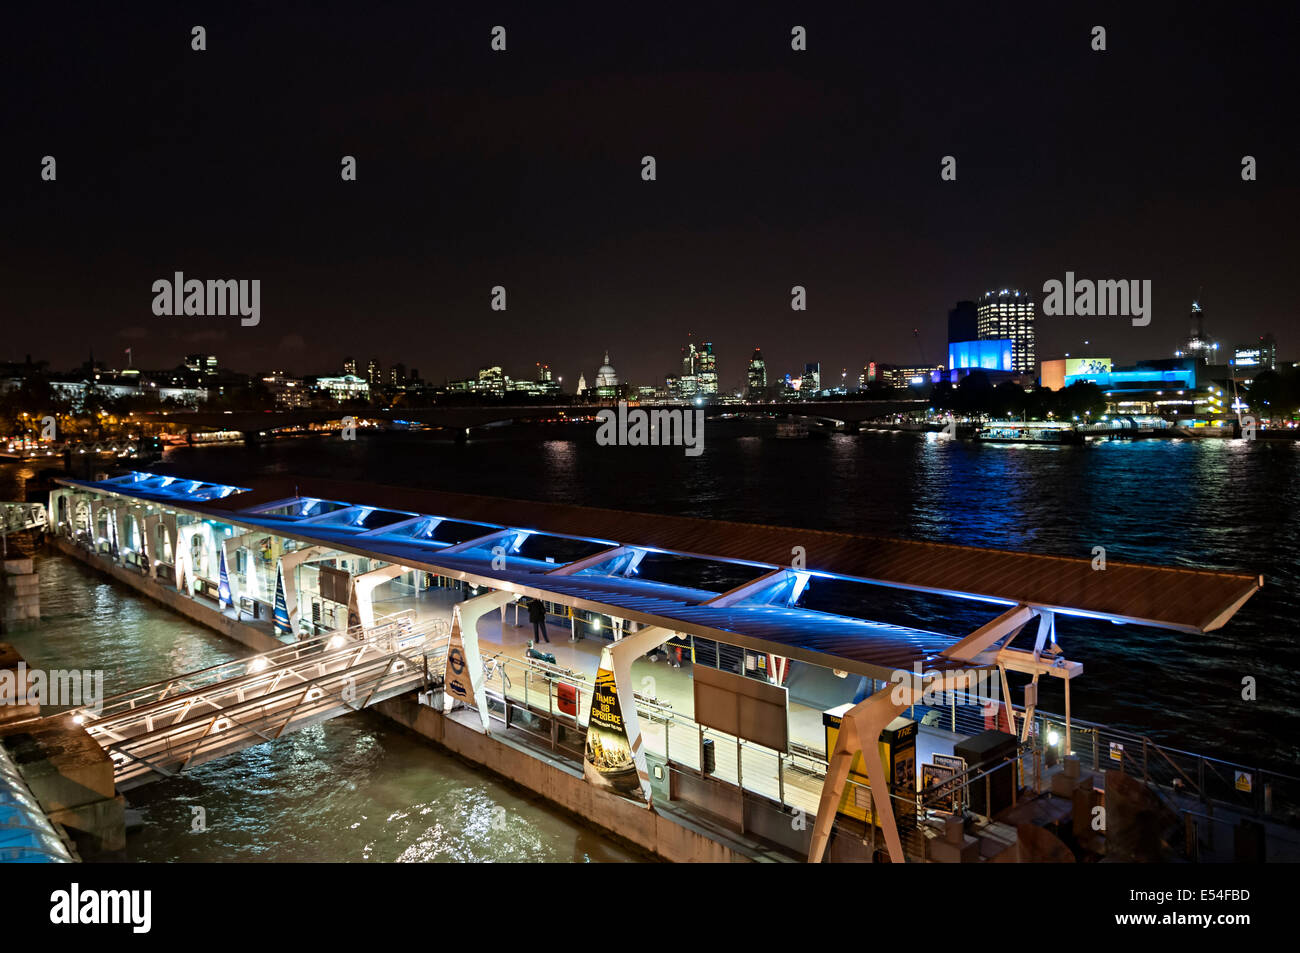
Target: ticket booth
<point x="897" y="752"/>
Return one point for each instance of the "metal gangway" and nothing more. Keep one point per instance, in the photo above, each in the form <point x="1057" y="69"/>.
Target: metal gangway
<point x="164" y="729"/>
<point x="16" y="517"/>
<point x="19" y="520"/>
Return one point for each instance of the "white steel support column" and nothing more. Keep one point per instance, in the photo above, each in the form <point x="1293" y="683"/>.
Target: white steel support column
<point x="621" y="655"/>
<point x="464" y="617"/>
<point x="229" y="546"/>
<point x="990" y="632"/>
<point x="52" y="514"/>
<point x="363" y="587"/>
<point x="173" y="540"/>
<point x="287" y="564"/>
<point x="138" y="513"/>
<point x="1069" y="748"/>
<point x="149" y="528"/>
<point x="120" y="512"/>
<point x="860" y="734"/>
<point x="96" y="506"/>
<point x="181" y="559"/>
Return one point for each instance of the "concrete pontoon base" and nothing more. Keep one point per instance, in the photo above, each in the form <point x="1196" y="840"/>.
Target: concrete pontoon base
<point x="665" y="834"/>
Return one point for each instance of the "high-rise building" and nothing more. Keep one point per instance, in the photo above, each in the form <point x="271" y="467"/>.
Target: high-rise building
<point x="1200" y="346"/>
<point x="812" y="380"/>
<point x="350" y="365"/>
<point x="1009" y="315"/>
<point x="707" y="370"/>
<point x="963" y="322"/>
<point x="757" y="375"/>
<point x="689" y="355"/>
<point x="374" y="374"/>
<point x="699" y="376"/>
<point x="543" y="371"/>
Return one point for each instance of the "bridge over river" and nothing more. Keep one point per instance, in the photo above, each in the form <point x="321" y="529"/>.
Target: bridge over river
<point x="467" y="417"/>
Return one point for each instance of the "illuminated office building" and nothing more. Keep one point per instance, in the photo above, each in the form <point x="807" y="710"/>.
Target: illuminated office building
<point x="1009" y="315"/>
<point x="707" y="370"/>
<point x="757" y="375"/>
<point x="811" y="384"/>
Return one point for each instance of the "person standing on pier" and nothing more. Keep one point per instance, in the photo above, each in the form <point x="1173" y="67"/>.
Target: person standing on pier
<point x="537" y="616"/>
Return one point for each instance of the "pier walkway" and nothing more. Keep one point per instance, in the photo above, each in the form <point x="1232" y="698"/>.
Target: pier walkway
<point x="769" y="703"/>
<point x="168" y="727"/>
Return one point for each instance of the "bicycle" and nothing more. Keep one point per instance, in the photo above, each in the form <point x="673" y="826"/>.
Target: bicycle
<point x="493" y="665"/>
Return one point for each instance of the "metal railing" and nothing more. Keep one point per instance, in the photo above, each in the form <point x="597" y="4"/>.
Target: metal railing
<point x="192" y="681"/>
<point x="169" y="726"/>
<point x="1175" y="772"/>
<point x="525" y="695"/>
<point x="16" y="517"/>
<point x="26" y="833"/>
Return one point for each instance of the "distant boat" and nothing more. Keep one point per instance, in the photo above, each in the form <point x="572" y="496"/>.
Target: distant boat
<point x="1020" y="431"/>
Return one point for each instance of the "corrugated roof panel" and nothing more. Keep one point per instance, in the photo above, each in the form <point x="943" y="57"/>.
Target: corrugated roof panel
<point x="1176" y="598"/>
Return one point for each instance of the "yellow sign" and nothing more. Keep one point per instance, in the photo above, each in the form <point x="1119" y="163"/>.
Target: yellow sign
<point x="897" y="753"/>
<point x="607" y="760"/>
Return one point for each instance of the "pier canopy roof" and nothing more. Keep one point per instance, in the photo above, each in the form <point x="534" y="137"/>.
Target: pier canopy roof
<point x="387" y="523"/>
<point x="168" y="489"/>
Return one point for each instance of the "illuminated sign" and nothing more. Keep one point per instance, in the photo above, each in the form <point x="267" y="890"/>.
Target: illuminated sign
<point x="990" y="355"/>
<point x="1083" y="366"/>
<point x="608" y="760"/>
<point x="1100" y="371"/>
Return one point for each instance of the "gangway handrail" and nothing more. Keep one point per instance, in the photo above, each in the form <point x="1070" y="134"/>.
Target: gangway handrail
<point x="165" y="705"/>
<point x="232" y="712"/>
<point x="232" y="715"/>
<point x="209" y="732"/>
<point x="205" y="677"/>
<point x="354" y="632"/>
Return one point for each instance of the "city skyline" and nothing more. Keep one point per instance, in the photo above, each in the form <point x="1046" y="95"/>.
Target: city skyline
<point x="728" y="381"/>
<point x="774" y="169"/>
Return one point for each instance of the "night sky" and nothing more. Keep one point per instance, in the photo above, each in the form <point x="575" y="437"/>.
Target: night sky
<point x="523" y="169"/>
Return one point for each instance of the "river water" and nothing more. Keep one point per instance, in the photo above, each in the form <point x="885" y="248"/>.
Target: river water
<point x="355" y="788"/>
